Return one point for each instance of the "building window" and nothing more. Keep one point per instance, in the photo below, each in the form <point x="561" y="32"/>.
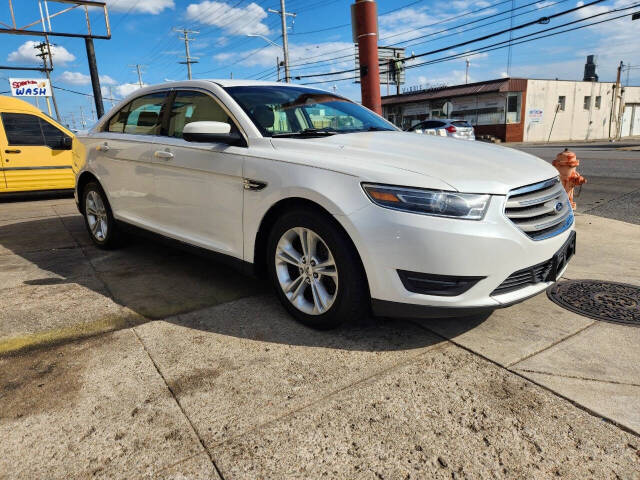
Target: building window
<point x="562" y="102"/>
<point x="513" y="107"/>
<point x="587" y="102"/>
<point x="598" y="101"/>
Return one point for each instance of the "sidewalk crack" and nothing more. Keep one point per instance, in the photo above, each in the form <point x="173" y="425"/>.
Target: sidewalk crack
<point x="544" y="387"/>
<point x="537" y="352"/>
<point x="333" y="393"/>
<point x="578" y="377"/>
<point x="175" y="398"/>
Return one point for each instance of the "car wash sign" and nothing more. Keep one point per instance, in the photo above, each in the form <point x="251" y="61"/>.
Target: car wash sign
<point x="30" y="87"/>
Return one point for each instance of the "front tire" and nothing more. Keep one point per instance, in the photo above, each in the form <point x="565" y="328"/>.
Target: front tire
<point x="315" y="270"/>
<point x="98" y="217"/>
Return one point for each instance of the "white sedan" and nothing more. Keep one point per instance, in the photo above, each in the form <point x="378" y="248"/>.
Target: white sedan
<point x="337" y="207"/>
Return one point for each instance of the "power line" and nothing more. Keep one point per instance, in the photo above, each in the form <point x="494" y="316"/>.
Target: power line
<point x="545" y="5"/>
<point x="541" y="20"/>
<point x="81" y="93"/>
<point x="302" y="66"/>
<point x="342" y="25"/>
<point x="503" y="44"/>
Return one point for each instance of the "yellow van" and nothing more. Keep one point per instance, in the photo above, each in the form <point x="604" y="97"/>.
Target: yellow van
<point x="36" y="152"/>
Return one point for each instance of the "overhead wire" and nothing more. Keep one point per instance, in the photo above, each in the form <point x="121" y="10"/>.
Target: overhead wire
<point x="542" y="20"/>
<point x="504" y="44"/>
<point x="307" y="65"/>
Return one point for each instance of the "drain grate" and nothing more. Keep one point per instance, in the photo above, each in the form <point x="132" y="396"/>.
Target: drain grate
<point x="607" y="301"/>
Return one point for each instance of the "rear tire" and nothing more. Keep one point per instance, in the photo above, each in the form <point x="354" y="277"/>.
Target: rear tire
<point x="98" y="218"/>
<point x="315" y="270"/>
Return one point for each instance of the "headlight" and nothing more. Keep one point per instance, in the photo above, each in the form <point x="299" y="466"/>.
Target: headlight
<point x="468" y="206"/>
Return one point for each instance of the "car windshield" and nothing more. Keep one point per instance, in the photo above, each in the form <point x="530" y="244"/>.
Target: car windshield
<point x="288" y="111"/>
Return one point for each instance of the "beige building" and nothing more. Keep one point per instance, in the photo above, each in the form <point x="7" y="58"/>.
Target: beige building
<point x="585" y="111"/>
<point x="527" y="110"/>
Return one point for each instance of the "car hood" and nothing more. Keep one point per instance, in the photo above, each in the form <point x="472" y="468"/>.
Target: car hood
<point x="410" y="158"/>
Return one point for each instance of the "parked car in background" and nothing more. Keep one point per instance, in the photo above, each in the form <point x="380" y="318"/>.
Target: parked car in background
<point x="339" y="209"/>
<point x="36" y="152"/>
<point x="445" y="127"/>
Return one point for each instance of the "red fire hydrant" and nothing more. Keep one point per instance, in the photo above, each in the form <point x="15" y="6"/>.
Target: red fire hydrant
<point x="566" y="163"/>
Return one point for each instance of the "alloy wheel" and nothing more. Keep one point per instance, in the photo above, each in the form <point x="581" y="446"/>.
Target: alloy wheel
<point x="306" y="271"/>
<point x="96" y="216"/>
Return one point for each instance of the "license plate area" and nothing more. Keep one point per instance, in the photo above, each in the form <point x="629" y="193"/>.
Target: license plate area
<point x="562" y="257"/>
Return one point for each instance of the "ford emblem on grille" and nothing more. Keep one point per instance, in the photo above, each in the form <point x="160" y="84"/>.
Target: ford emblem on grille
<point x="559" y="207"/>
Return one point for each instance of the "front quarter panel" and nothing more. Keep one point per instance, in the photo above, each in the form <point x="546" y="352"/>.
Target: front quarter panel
<point x="338" y="193"/>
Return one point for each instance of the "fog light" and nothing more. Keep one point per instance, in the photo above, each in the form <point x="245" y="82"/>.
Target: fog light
<point x="442" y="285"/>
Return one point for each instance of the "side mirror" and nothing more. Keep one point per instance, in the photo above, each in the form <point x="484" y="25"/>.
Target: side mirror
<point x="210" y="132"/>
<point x="66" y="143"/>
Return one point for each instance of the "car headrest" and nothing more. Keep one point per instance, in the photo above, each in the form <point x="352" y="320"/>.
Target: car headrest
<point x="147" y="119"/>
<point x="264" y="115"/>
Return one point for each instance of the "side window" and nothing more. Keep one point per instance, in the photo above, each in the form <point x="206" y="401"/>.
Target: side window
<point x="23" y="129"/>
<point x="52" y="135"/>
<point x="116" y="123"/>
<point x="145" y="115"/>
<point x="562" y="101"/>
<point x="190" y="106"/>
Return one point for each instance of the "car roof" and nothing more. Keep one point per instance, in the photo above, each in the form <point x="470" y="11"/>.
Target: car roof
<point x="246" y="83"/>
<point x="10" y="103"/>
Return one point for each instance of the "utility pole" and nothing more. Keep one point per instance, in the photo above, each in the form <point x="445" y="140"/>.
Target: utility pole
<point x="45" y="52"/>
<point x="466" y="75"/>
<point x="614" y="96"/>
<point x="189" y="59"/>
<point x="84" y="123"/>
<point x="138" y="70"/>
<point x="364" y="15"/>
<point x="111" y="96"/>
<point x="285" y="39"/>
<point x="73" y="121"/>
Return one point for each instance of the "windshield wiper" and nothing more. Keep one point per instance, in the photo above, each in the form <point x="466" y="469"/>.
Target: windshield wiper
<point x="369" y="129"/>
<point x="307" y="133"/>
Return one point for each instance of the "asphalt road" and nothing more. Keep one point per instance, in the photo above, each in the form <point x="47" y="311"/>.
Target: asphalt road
<point x="613" y="177"/>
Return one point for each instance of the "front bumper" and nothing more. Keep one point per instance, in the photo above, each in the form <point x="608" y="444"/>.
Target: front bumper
<point x="493" y="248"/>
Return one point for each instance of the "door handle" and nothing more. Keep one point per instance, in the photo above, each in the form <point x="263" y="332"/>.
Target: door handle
<point x="103" y="148"/>
<point x="163" y="154"/>
<point x="13" y="151"/>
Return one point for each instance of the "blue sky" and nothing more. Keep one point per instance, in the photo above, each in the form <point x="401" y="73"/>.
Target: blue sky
<point x="142" y="34"/>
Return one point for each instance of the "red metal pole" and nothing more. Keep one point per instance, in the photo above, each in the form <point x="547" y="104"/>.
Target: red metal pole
<point x="365" y="17"/>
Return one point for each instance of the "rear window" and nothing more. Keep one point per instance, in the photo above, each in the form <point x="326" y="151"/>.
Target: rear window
<point x="461" y="124"/>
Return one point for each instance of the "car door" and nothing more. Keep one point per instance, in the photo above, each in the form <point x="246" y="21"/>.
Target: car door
<point x="34" y="156"/>
<point x="199" y="186"/>
<point x="122" y="157"/>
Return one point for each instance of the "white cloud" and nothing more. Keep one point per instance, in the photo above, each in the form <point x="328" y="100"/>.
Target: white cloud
<point x="234" y="21"/>
<point x="75" y="78"/>
<point x="125" y="89"/>
<point x="142" y="6"/>
<point x="26" y="53"/>
<point x="119" y="91"/>
<point x="107" y="80"/>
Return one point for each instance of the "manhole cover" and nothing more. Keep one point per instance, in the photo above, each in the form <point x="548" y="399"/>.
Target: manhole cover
<point x="608" y="301"/>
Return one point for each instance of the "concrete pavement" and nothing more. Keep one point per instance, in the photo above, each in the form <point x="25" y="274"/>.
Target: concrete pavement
<point x="201" y="374"/>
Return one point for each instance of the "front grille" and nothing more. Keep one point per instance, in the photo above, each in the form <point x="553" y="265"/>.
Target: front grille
<point x="541" y="210"/>
<point x="528" y="276"/>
